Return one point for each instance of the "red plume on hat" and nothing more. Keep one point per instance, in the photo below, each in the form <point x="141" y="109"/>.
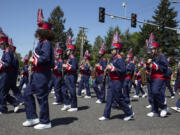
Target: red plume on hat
<point x="3" y="37"/>
<point x="10" y="42"/>
<point x="58" y="49"/>
<point x="130" y="54"/>
<point x="40" y="21"/>
<point x="152" y="42"/>
<point x="103" y="49"/>
<point x="87" y="55"/>
<point x="116" y="43"/>
<point x="25" y="60"/>
<point x="147" y="46"/>
<point x="69" y="44"/>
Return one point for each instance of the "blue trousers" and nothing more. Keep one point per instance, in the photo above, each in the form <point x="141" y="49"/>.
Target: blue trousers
<point x="5" y="81"/>
<point x="39" y="87"/>
<point x="168" y="84"/>
<point x="149" y="92"/>
<point x="100" y="93"/>
<point x="178" y="103"/>
<point x="115" y="93"/>
<point x="24" y="80"/>
<point x="158" y="95"/>
<point x="84" y="82"/>
<point x="70" y="84"/>
<point x="126" y="90"/>
<point x="176" y="85"/>
<point x="58" y="89"/>
<point x="139" y="88"/>
<point x="14" y="88"/>
<point x="51" y="83"/>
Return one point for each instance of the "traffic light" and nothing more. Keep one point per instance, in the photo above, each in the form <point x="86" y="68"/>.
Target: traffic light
<point x="101" y="14"/>
<point x="133" y="20"/>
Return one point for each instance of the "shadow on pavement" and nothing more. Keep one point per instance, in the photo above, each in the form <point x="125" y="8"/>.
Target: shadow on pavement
<point x="118" y="116"/>
<point x="83" y="108"/>
<point x="63" y="121"/>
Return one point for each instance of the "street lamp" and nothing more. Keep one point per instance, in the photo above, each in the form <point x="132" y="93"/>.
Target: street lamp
<point x="124" y="6"/>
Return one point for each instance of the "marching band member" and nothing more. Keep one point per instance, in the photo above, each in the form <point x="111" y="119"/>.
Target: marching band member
<point x="24" y="73"/>
<point x="158" y="69"/>
<point x="14" y="75"/>
<point x="138" y="81"/>
<point x="6" y="68"/>
<point x="117" y="72"/>
<point x="43" y="61"/>
<point x="70" y="80"/>
<point x="100" y="67"/>
<point x="86" y="72"/>
<point x="57" y="75"/>
<point x="130" y="67"/>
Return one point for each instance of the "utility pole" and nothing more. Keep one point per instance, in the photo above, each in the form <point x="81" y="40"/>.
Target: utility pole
<point x="82" y="29"/>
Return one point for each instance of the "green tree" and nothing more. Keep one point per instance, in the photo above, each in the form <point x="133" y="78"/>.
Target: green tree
<point x="57" y="20"/>
<point x="164" y="15"/>
<point x="69" y="32"/>
<point x="95" y="50"/>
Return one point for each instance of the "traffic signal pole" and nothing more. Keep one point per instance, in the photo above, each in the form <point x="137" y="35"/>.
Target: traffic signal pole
<point x="143" y="22"/>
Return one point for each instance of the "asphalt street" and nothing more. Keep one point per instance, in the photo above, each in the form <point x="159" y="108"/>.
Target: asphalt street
<point x="85" y="121"/>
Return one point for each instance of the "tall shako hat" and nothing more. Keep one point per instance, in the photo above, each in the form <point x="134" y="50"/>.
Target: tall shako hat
<point x="25" y="60"/>
<point x="152" y="42"/>
<point x="130" y="54"/>
<point x="69" y="44"/>
<point x="116" y="43"/>
<point x="42" y="24"/>
<point x="3" y="37"/>
<point x="58" y="49"/>
<point x="87" y="55"/>
<point x="102" y="50"/>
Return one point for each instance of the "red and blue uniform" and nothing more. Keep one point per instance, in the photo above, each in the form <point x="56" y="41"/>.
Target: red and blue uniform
<point x="177" y="81"/>
<point x="14" y="75"/>
<point x="57" y="79"/>
<point x="86" y="72"/>
<point x="159" y="70"/>
<point x="70" y="82"/>
<point x="139" y="82"/>
<point x="130" y="67"/>
<point x="116" y="77"/>
<point x="24" y="79"/>
<point x="148" y="84"/>
<point x="38" y="85"/>
<point x="100" y="93"/>
<point x="6" y="67"/>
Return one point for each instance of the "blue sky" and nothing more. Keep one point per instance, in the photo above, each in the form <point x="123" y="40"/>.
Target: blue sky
<point x="18" y="17"/>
